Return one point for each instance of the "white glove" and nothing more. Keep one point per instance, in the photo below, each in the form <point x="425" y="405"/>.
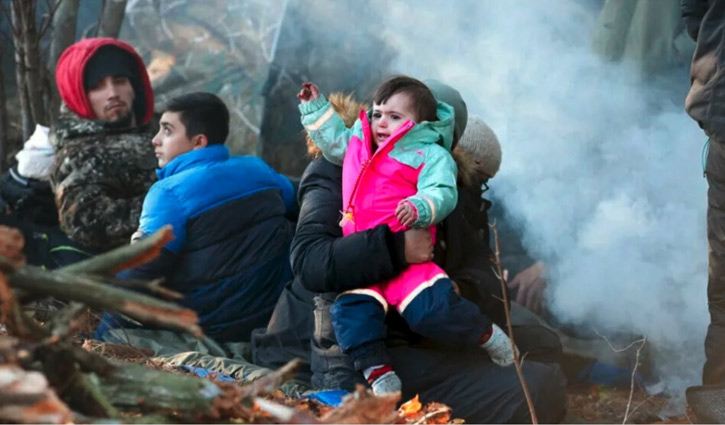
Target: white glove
<point x="498" y="347"/>
<point x="387" y="383"/>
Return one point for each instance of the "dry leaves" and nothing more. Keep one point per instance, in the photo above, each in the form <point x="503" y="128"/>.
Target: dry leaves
<point x="26" y="398"/>
<point x="413" y="412"/>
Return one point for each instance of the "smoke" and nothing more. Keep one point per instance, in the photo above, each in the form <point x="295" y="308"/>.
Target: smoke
<point x="601" y="168"/>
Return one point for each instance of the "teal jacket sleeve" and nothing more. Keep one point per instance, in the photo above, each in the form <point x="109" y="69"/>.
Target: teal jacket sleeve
<point x="437" y="193"/>
<point x="326" y="128"/>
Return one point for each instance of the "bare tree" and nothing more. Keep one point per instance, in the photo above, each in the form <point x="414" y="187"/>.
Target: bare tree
<point x="30" y="72"/>
<point x="32" y="63"/>
<point x="112" y="14"/>
<point x="36" y="90"/>
<point x="3" y="108"/>
<point x="64" y="33"/>
<point x="20" y="72"/>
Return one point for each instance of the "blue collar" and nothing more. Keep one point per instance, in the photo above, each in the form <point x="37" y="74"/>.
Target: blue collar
<point x="191" y="159"/>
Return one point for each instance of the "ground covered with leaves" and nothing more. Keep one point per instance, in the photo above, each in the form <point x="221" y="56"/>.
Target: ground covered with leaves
<point x="587" y="403"/>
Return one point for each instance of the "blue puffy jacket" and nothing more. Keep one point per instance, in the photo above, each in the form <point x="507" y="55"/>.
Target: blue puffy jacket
<point x="232" y="233"/>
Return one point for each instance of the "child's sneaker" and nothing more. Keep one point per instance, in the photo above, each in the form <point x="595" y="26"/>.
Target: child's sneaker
<point x="383" y="379"/>
<point x="498" y="345"/>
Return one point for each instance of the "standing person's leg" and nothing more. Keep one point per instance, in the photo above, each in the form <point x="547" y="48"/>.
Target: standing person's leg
<point x="714" y="370"/>
<point x="478" y="390"/>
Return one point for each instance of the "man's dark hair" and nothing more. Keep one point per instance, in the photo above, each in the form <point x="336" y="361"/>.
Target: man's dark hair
<point x="202" y="113"/>
<point x="424" y="103"/>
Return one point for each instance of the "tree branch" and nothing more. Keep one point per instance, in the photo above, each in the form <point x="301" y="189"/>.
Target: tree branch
<point x="141" y="307"/>
<point x="48" y="18"/>
<point x="517" y="360"/>
<point x="124" y="257"/>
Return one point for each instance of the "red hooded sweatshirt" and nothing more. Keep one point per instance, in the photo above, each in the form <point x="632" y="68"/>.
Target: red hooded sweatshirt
<point x="69" y="76"/>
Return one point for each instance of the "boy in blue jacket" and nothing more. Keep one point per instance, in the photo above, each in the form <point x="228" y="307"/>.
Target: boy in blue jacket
<point x="230" y="253"/>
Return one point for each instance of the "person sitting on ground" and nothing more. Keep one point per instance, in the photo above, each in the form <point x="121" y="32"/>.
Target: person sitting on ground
<point x="25" y="188"/>
<point x="402" y="144"/>
<point x="230" y="254"/>
<point x="27" y="204"/>
<point x="326" y="263"/>
<point x="104" y="163"/>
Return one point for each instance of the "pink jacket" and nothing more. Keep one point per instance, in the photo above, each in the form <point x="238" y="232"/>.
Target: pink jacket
<point x="413" y="164"/>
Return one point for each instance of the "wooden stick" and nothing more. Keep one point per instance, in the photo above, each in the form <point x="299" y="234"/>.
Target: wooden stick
<point x="517" y="361"/>
<point x="631" y="383"/>
<point x="124" y="257"/>
<point x="68" y="287"/>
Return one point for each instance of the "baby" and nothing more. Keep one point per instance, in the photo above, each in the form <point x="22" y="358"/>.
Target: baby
<point x="398" y="171"/>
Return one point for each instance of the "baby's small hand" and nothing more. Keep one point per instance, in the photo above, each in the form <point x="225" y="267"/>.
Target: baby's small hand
<point x="308" y="93"/>
<point x="406" y="213"/>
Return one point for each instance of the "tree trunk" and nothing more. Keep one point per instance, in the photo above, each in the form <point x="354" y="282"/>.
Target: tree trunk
<point x="111" y="18"/>
<point x="20" y="75"/>
<point x="3" y="118"/>
<point x="33" y="71"/>
<point x="64" y="33"/>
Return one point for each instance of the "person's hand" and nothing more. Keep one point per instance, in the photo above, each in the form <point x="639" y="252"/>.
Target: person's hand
<point x="406" y="213"/>
<point x="308" y="93"/>
<point x="418" y="246"/>
<point x="499" y="347"/>
<point x="531" y="285"/>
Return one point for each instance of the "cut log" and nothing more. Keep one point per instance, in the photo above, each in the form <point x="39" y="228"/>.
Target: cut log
<point x="135" y="387"/>
<point x="68" y="287"/>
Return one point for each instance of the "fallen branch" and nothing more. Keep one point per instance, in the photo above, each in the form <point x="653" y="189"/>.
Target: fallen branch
<point x="65" y="321"/>
<point x="641" y="342"/>
<point x="189" y="398"/>
<point x="134" y="386"/>
<point x="124" y="257"/>
<point x="631" y="383"/>
<point x="517" y="360"/>
<point x="269" y="383"/>
<point x="68" y="287"/>
<point x="148" y="287"/>
<point x="640" y="404"/>
<point x="17" y="322"/>
<point x="239" y="401"/>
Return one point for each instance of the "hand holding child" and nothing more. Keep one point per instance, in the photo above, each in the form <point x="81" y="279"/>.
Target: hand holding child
<point x="308" y="93"/>
<point x="406" y="213"/>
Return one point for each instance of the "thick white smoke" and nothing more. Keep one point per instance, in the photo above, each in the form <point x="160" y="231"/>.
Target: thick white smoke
<point x="602" y="170"/>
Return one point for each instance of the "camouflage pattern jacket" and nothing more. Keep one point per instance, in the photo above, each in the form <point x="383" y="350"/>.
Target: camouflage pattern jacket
<point x="100" y="178"/>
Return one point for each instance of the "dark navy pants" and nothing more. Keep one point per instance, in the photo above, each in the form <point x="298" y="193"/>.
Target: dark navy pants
<point x="437" y="313"/>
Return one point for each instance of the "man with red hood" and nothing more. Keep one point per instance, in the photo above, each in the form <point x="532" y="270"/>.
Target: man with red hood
<point x="104" y="162"/>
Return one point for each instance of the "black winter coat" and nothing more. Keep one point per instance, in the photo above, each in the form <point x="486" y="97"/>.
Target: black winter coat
<point x="326" y="263"/>
<point x="27" y="199"/>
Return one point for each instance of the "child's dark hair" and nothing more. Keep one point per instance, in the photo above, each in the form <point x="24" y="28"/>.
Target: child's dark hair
<point x="202" y="113"/>
<point x="424" y="103"/>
